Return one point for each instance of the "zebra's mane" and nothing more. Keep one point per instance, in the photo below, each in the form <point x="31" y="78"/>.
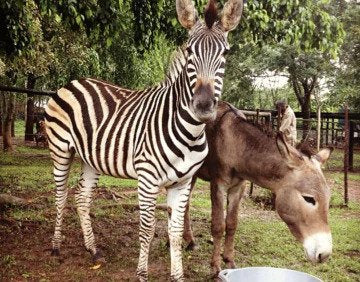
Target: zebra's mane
<point x="177" y="65"/>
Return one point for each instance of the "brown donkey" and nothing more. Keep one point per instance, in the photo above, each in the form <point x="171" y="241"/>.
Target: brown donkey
<point x="240" y="151"/>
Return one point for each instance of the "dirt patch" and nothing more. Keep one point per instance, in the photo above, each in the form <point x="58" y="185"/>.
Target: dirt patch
<point x="25" y="251"/>
<point x="353" y="253"/>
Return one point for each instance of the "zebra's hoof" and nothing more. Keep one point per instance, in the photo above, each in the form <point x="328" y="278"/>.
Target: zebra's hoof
<point x="192" y="246"/>
<point x="98" y="258"/>
<point x="55" y="252"/>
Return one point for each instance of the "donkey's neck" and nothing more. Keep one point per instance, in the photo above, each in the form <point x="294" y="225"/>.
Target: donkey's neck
<point x="240" y="147"/>
<point x="262" y="161"/>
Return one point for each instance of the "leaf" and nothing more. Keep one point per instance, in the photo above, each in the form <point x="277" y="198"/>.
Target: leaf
<point x="108" y="42"/>
<point x="96" y="266"/>
<point x="78" y="19"/>
<point x="57" y="18"/>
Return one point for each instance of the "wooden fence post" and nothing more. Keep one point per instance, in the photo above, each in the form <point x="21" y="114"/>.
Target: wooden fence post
<point x="351" y="144"/>
<point x="346" y="155"/>
<point x="318" y="128"/>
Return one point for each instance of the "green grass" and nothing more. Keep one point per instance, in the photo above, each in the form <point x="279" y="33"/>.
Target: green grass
<point x="109" y="181"/>
<point x="269" y="243"/>
<point x="260" y="240"/>
<point x="19" y="128"/>
<point x="336" y="160"/>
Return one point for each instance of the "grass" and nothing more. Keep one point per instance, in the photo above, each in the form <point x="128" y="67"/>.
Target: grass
<point x="260" y="239"/>
<point x="336" y="161"/>
<point x="19" y="128"/>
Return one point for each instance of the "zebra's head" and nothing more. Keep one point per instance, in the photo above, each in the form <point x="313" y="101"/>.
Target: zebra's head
<point x="206" y="48"/>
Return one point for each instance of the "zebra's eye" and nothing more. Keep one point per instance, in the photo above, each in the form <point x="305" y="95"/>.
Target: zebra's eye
<point x="309" y="200"/>
<point x="226" y="51"/>
<point x="189" y="51"/>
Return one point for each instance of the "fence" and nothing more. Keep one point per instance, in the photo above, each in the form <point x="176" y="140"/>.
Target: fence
<point x="332" y="128"/>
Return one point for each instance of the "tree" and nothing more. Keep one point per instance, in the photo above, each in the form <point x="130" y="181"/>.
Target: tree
<point x="28" y="44"/>
<point x="307" y="39"/>
<point x="7" y="107"/>
<point x="347" y="82"/>
<point x="23" y="50"/>
<point x="293" y="38"/>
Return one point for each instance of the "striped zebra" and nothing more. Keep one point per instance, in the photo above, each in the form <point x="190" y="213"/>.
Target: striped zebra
<point x="154" y="135"/>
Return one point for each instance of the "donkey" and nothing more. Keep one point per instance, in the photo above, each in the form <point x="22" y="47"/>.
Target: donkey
<point x="240" y="151"/>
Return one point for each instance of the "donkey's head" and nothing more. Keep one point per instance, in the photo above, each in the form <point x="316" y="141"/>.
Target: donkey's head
<point x="302" y="201"/>
<point x="205" y="49"/>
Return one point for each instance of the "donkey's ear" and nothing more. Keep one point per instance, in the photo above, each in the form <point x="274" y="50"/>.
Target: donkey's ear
<point x="231" y="14"/>
<point x="282" y="146"/>
<point x="186" y="12"/>
<point x="323" y="155"/>
<point x="287" y="152"/>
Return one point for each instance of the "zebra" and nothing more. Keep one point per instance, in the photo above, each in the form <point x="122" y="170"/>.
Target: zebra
<point x="154" y="135"/>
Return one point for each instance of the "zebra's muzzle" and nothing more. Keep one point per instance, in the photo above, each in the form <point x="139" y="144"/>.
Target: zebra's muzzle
<point x="204" y="102"/>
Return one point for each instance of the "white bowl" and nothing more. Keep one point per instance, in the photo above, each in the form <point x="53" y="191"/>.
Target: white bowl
<point x="265" y="274"/>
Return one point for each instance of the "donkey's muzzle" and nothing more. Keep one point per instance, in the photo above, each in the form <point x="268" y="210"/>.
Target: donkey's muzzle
<point x="318" y="247"/>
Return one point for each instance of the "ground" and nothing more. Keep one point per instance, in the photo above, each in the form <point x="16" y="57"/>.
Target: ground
<point x="262" y="238"/>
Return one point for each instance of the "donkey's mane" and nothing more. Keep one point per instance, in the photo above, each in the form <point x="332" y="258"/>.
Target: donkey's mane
<point x="303" y="147"/>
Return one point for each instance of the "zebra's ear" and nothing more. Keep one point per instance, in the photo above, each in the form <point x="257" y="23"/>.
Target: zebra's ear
<point x="186" y="12"/>
<point x="231" y="14"/>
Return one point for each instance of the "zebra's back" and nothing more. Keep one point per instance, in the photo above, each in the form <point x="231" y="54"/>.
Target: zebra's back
<point x="95" y="118"/>
<point x="116" y="131"/>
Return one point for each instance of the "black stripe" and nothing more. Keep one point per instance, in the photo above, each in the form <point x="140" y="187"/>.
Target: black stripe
<point x="86" y="119"/>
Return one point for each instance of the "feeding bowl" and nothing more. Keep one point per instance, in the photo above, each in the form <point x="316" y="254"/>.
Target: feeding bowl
<point x="265" y="274"/>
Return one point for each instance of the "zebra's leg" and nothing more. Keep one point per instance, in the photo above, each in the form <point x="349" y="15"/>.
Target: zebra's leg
<point x="188" y="233"/>
<point x="177" y="200"/>
<point x="62" y="163"/>
<point x="147" y="194"/>
<point x="83" y="198"/>
<point x="233" y="199"/>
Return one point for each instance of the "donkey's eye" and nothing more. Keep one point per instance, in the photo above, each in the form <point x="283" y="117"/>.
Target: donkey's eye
<point x="310" y="200"/>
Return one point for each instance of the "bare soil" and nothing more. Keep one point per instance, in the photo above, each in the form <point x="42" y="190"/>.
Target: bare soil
<point x="25" y="245"/>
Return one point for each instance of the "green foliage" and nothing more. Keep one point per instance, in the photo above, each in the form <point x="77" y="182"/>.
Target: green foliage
<point x="347" y="83"/>
<point x="2" y="68"/>
<point x="130" y="42"/>
<point x="99" y="19"/>
<point x="134" y="70"/>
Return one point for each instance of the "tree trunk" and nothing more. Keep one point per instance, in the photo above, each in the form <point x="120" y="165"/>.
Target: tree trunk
<point x="29" y="119"/>
<point x="13" y="126"/>
<point x="1" y="121"/>
<point x="318" y="127"/>
<point x="305" y="112"/>
<point x="8" y="108"/>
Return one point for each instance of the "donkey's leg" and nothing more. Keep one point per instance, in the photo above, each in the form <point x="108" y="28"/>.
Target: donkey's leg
<point x="62" y="163"/>
<point x="177" y="200"/>
<point x="188" y="233"/>
<point x="83" y="198"/>
<point x="233" y="199"/>
<point x="147" y="193"/>
<point x="217" y="224"/>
